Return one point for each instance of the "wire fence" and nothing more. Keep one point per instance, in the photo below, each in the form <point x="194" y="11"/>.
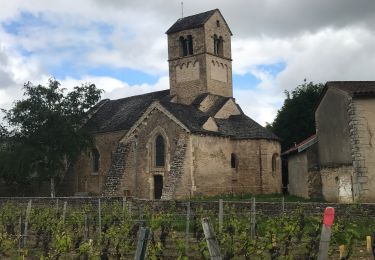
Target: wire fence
<point x="107" y="228"/>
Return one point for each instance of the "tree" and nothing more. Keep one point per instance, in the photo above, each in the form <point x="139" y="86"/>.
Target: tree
<point x="45" y="134"/>
<point x="295" y="121"/>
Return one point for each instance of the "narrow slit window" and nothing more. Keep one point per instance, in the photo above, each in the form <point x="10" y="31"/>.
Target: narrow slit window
<point x="233" y="161"/>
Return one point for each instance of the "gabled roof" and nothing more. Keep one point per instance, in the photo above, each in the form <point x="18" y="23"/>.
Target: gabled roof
<point x="121" y="114"/>
<point x="193" y="21"/>
<point x="354" y="88"/>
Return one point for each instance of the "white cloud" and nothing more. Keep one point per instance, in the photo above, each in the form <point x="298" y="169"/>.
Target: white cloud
<point x="317" y="40"/>
<point x="115" y="88"/>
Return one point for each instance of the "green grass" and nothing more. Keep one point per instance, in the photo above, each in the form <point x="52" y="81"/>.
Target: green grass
<point x="259" y="197"/>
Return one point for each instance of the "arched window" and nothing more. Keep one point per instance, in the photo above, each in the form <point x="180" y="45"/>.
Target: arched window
<point x="159" y="151"/>
<point x="274" y="158"/>
<point x="233" y="161"/>
<point x="218" y="45"/>
<point x="95" y="160"/>
<point x="186" y="45"/>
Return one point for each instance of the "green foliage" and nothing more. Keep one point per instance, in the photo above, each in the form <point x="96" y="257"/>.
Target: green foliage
<point x="7" y="243"/>
<point x="295" y="121"/>
<point x="292" y="235"/>
<point x="45" y="131"/>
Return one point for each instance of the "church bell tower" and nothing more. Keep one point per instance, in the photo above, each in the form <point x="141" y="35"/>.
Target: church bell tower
<point x="199" y="56"/>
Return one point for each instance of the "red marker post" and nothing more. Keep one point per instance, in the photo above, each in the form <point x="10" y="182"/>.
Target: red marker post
<point x="325" y="236"/>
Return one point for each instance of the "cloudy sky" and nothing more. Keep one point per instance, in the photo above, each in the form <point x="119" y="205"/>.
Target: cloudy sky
<point x="121" y="46"/>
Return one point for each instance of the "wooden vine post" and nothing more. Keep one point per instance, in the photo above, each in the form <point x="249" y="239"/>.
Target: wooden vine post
<point x="221" y="214"/>
<point x="325" y="236"/>
<point x="64" y="211"/>
<point x="187" y="231"/>
<point x="27" y="219"/>
<point x="140" y="252"/>
<point x="212" y="244"/>
<point x="253" y="219"/>
<point x="373" y="245"/>
<point x="100" y="216"/>
<point x="86" y="227"/>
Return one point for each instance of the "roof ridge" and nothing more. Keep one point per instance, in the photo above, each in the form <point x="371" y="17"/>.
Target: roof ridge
<point x="140" y="95"/>
<point x="192" y="21"/>
<point x="212" y="10"/>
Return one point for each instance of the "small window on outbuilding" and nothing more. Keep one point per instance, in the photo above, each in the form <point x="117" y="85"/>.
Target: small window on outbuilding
<point x="95" y="160"/>
<point x="159" y="151"/>
<point x="233" y="161"/>
<point x="217" y="23"/>
<point x="274" y="161"/>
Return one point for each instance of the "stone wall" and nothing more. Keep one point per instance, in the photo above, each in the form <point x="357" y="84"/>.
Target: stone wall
<point x="303" y="173"/>
<point x="139" y="180"/>
<point x="337" y="183"/>
<point x="332" y="128"/>
<point x="362" y="129"/>
<point x="212" y="166"/>
<point x="298" y="175"/>
<point x="218" y="65"/>
<point x="115" y="176"/>
<point x="203" y="71"/>
<point x="81" y="178"/>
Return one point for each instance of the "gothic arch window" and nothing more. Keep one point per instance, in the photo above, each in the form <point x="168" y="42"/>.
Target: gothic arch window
<point x="95" y="160"/>
<point x="233" y="161"/>
<point x="159" y="151"/>
<point x="186" y="45"/>
<point x="218" y="45"/>
<point x="274" y="162"/>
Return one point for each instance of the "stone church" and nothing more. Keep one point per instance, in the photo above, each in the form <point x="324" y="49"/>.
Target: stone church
<point x="190" y="140"/>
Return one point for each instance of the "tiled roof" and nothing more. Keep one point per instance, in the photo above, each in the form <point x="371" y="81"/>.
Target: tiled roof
<point x="191" y="22"/>
<point x="194" y="21"/>
<point x="302" y="145"/>
<point x="121" y="114"/>
<point x="354" y="88"/>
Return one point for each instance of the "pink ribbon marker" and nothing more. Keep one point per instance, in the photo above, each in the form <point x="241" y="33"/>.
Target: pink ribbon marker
<point x="329" y="215"/>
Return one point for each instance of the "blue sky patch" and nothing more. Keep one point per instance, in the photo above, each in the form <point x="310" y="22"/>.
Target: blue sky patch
<point x="246" y="81"/>
<point x="250" y="81"/>
<point x="25" y="19"/>
<point x="272" y="69"/>
<point x="130" y="76"/>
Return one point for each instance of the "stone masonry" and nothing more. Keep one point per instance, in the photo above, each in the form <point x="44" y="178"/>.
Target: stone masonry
<point x="176" y="169"/>
<point x="116" y="171"/>
<point x="360" y="178"/>
<point x="179" y="142"/>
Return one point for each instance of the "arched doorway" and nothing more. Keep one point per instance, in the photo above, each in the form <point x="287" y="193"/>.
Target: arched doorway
<point x="158" y="186"/>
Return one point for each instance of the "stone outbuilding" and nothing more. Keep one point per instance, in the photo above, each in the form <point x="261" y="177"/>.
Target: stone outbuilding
<point x="192" y="139"/>
<point x="339" y="161"/>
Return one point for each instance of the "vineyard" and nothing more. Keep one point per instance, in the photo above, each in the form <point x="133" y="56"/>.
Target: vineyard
<point x="107" y="228"/>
